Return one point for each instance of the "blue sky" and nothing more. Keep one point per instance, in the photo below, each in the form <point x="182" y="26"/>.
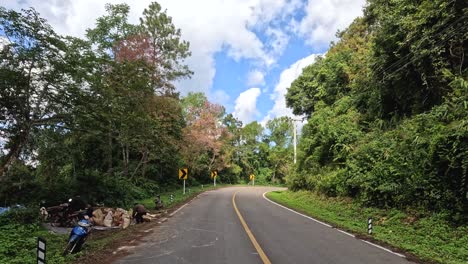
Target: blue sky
<point x="245" y="53"/>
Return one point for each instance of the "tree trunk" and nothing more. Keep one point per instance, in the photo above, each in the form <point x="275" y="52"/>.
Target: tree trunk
<point x="212" y="161"/>
<point x="143" y="159"/>
<point x="14" y="153"/>
<point x="109" y="154"/>
<point x="145" y="165"/>
<point x="125" y="159"/>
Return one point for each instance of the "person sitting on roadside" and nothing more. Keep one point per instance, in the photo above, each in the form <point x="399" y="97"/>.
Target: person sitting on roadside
<point x="158" y="203"/>
<point x="138" y="212"/>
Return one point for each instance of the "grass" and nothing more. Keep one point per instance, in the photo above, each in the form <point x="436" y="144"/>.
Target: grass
<point x="178" y="196"/>
<point x="430" y="238"/>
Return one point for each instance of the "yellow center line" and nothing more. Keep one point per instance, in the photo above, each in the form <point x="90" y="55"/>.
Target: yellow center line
<point x="259" y="249"/>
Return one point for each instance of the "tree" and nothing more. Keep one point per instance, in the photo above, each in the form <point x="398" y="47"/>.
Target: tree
<point x="280" y="142"/>
<point x="37" y="82"/>
<point x="166" y="49"/>
<point x="205" y="135"/>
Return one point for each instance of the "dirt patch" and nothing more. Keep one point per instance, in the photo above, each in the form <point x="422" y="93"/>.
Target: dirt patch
<point x="111" y="245"/>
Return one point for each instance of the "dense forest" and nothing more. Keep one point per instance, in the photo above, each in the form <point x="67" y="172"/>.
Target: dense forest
<point x="100" y="117"/>
<point x="387" y="110"/>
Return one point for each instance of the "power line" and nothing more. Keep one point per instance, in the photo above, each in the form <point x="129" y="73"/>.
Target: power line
<point x="379" y="70"/>
<point x="452" y="33"/>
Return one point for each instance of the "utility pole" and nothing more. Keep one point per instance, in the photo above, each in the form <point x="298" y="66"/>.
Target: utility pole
<point x="295" y="140"/>
<point x="295" y="136"/>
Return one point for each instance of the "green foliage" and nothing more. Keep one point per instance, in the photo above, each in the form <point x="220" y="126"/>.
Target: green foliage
<point x="20" y="229"/>
<point x="387" y="110"/>
<point x="97" y="117"/>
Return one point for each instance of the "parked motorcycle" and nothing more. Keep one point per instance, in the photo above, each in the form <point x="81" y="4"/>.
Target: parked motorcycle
<point x="66" y="214"/>
<point x="77" y="237"/>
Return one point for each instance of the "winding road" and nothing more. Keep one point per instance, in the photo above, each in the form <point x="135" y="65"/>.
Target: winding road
<point x="239" y="225"/>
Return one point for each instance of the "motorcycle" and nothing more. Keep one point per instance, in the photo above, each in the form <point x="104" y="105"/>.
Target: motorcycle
<point x="65" y="214"/>
<point x="77" y="237"/>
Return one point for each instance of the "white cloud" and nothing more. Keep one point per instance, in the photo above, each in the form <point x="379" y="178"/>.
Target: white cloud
<point x="3" y="42"/>
<point x="209" y="25"/>
<point x="220" y="97"/>
<point x="324" y="17"/>
<point x="281" y="88"/>
<point x="246" y="105"/>
<point x="255" y="77"/>
<point x="278" y="40"/>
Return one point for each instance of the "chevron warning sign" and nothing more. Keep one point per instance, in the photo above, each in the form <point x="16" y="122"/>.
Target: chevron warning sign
<point x="183" y="174"/>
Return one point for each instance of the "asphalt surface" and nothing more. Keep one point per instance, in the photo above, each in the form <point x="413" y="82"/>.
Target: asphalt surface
<point x="208" y="230"/>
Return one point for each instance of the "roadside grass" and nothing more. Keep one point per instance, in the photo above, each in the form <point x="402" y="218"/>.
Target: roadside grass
<point x="178" y="196"/>
<point x="427" y="236"/>
<point x="19" y="230"/>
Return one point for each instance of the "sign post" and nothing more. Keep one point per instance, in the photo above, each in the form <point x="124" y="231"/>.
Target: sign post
<point x="41" y="251"/>
<point x="183" y="174"/>
<point x="252" y="178"/>
<point x="214" y="175"/>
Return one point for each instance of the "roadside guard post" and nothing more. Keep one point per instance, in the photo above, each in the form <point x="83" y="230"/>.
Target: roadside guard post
<point x="183" y="174"/>
<point x="41" y="251"/>
<point x="369" y="225"/>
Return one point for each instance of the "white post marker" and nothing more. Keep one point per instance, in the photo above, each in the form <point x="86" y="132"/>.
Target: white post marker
<point x="369" y="225"/>
<point x="41" y="251"/>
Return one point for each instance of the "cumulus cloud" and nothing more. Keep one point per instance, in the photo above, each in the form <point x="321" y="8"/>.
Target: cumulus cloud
<point x="255" y="77"/>
<point x="246" y="105"/>
<point x="211" y="26"/>
<point x="281" y="88"/>
<point x="324" y="18"/>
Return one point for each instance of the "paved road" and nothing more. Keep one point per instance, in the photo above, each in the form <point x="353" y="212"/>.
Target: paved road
<point x="208" y="230"/>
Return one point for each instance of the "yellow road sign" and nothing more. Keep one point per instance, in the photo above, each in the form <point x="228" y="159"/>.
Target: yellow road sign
<point x="214" y="174"/>
<point x="183" y="174"/>
<point x="252" y="177"/>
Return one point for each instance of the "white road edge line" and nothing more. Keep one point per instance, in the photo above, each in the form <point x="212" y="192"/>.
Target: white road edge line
<point x="320" y="222"/>
<point x="303" y="215"/>
<point x="344" y="232"/>
<point x="178" y="209"/>
<point x="386" y="249"/>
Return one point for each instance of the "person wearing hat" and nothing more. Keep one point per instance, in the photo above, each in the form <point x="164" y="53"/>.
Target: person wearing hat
<point x="139" y="211"/>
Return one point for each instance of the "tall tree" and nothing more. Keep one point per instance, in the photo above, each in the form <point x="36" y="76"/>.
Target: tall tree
<point x="280" y="141"/>
<point x="166" y="49"/>
<point x="36" y="80"/>
<point x="205" y="134"/>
